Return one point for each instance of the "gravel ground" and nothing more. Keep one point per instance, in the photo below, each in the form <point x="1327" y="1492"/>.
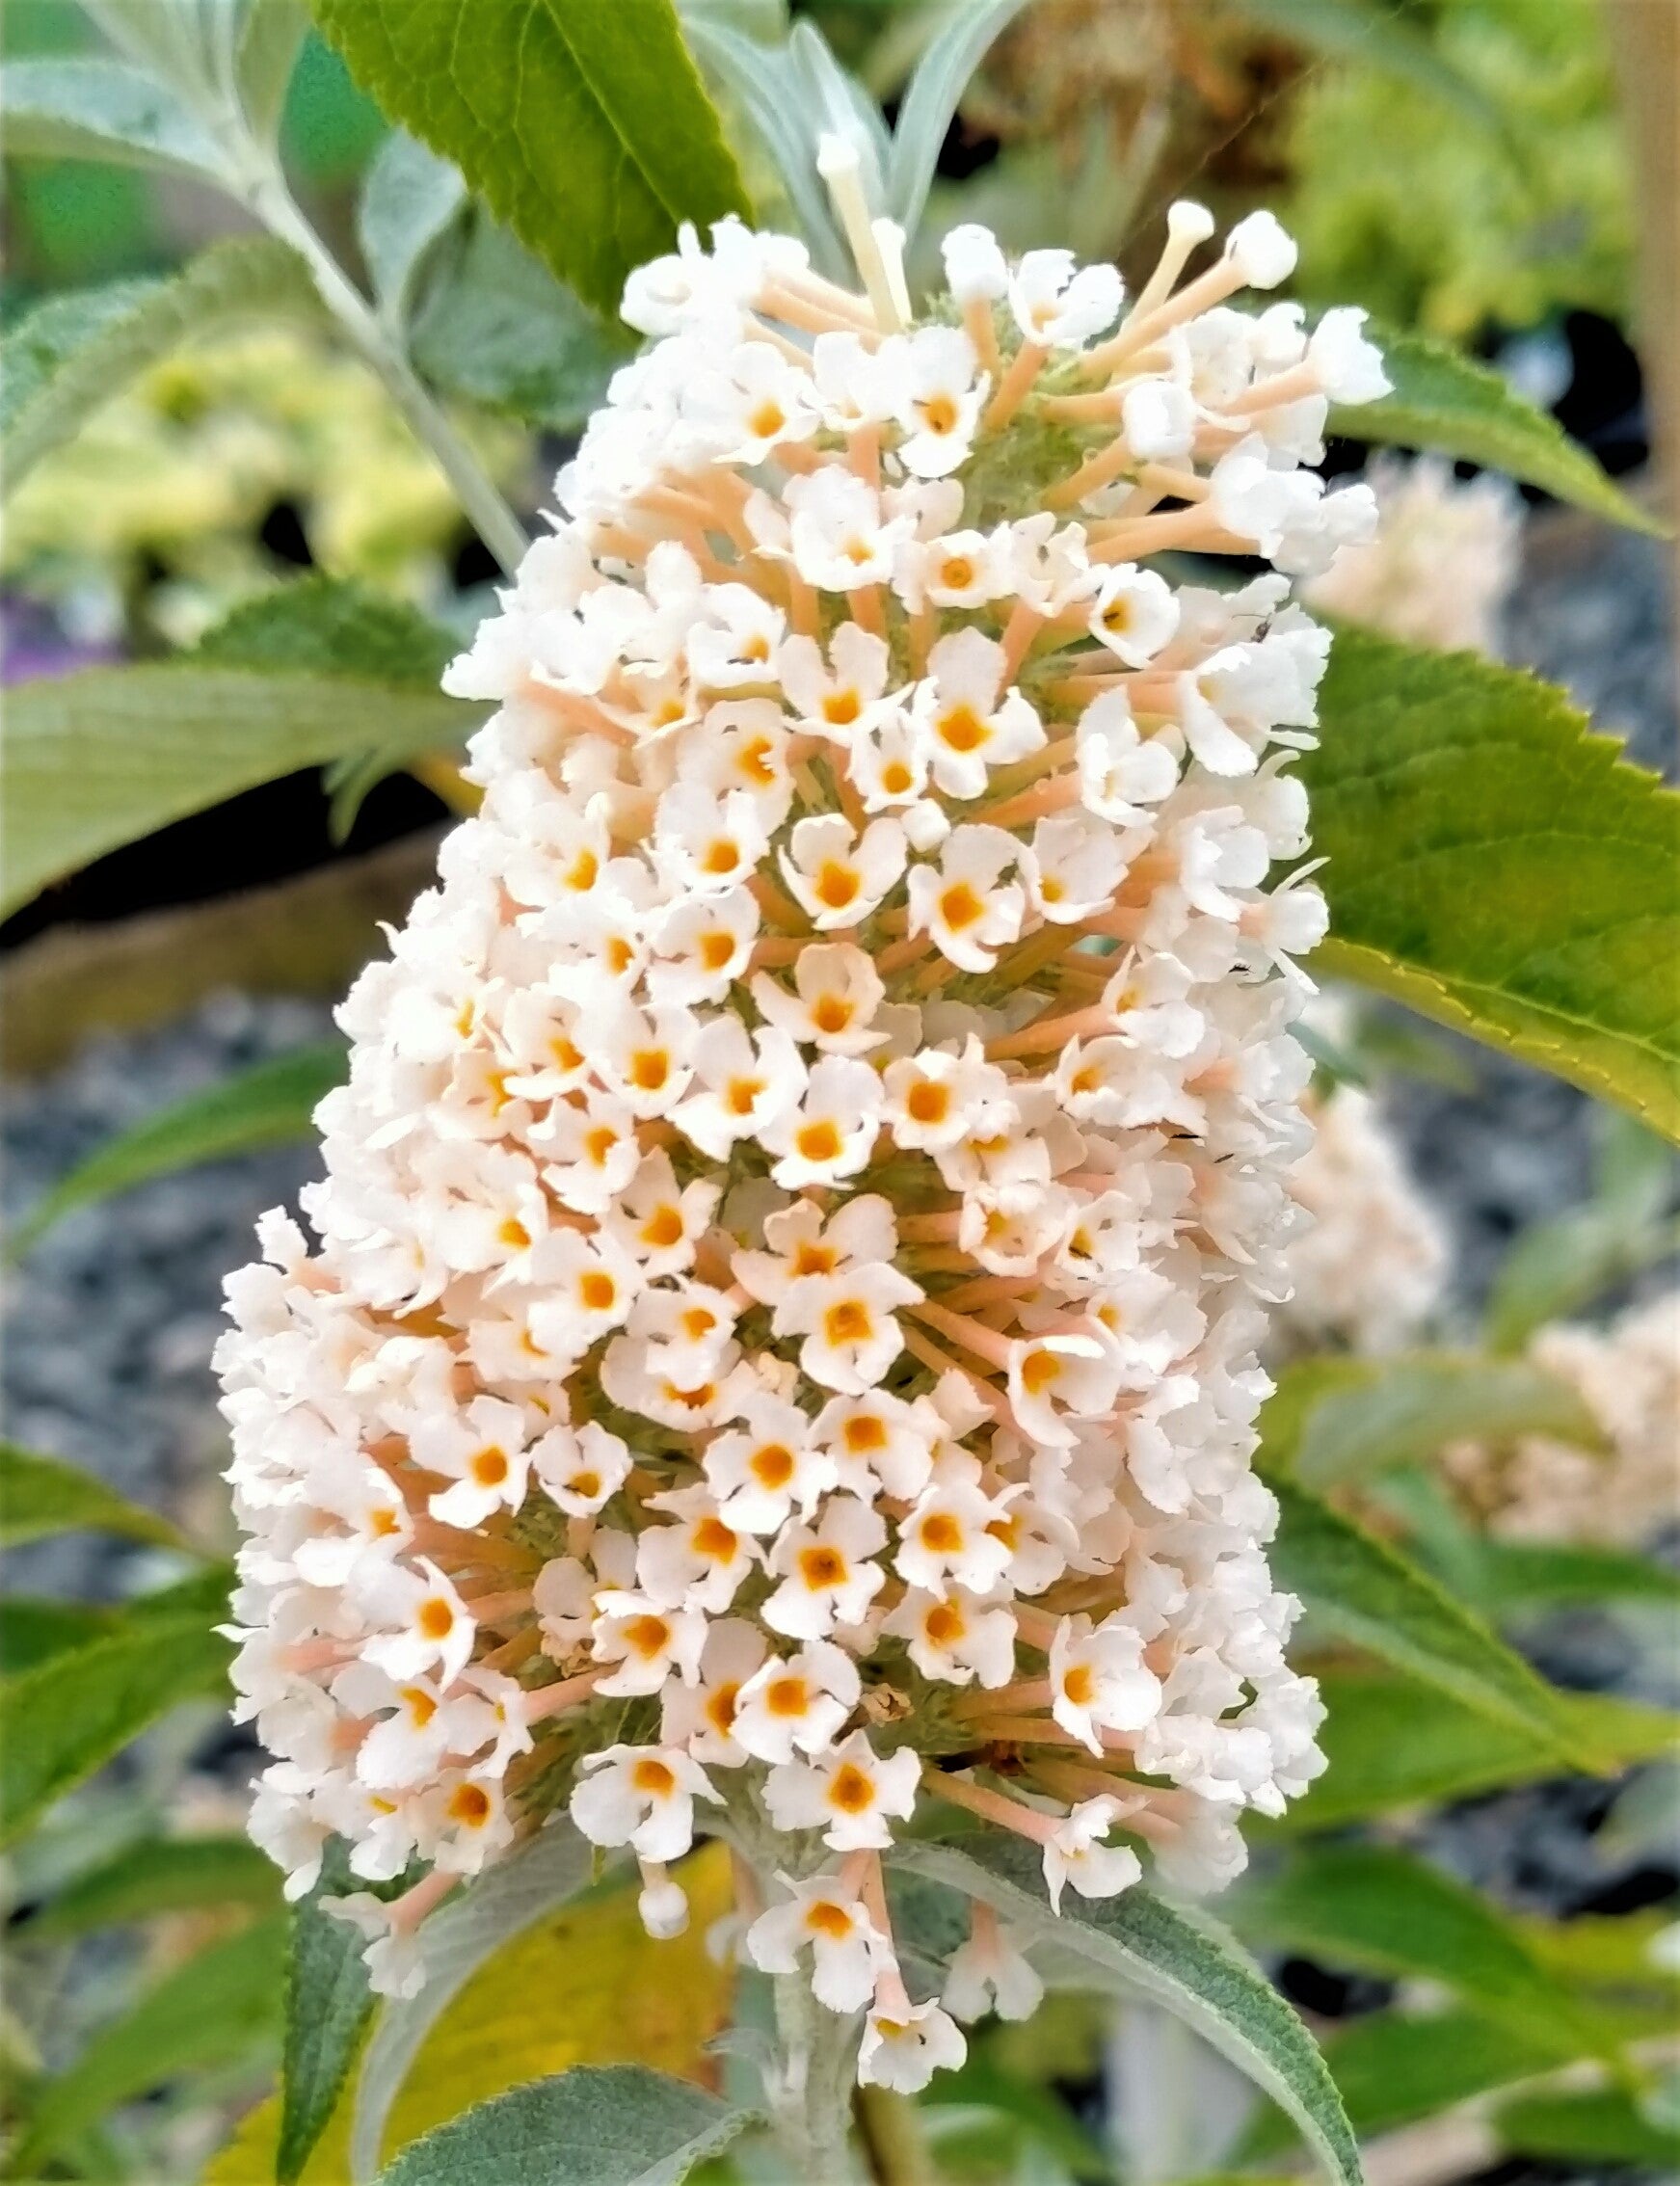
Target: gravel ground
<point x="108" y="1324"/>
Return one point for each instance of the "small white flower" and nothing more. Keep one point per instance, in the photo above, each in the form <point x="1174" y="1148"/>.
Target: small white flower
<point x="649" y="1640"/>
<point x="820" y="1916"/>
<point x="960" y="568"/>
<point x="1057" y="1380"/>
<point x="395" y="1966"/>
<point x="482" y="1451"/>
<point x="700" y="1717"/>
<point x="1120" y="774"/>
<point x="848" y="1791"/>
<point x="1349" y="367"/>
<point x="766" y="1471"/>
<point x="967" y="728"/>
<point x="888" y="767"/>
<point x="876" y="1440"/>
<point x="1260" y="251"/>
<point x="742" y="1084"/>
<point x="708" y="842"/>
<point x="903" y="2048"/>
<point x="582" y="1469"/>
<point x="955" y="1637"/>
<point x="1059" y="304"/>
<point x="736" y="642"/>
<point x="432" y="1629"/>
<point x="937" y="403"/>
<point x="795" y="1704"/>
<point x="839" y="539"/>
<point x="698" y="1562"/>
<point x="841" y="699"/>
<point x="1135" y="613"/>
<point x="975" y="269"/>
<point x="837" y="876"/>
<point x="1075" y="1853"/>
<point x="990" y="1973"/>
<point x="828" y="1579"/>
<point x="965" y="902"/>
<point x="836" y="992"/>
<point x="830" y="1133"/>
<point x="1099" y="1680"/>
<point x="1078" y="868"/>
<point x="655" y="1221"/>
<point x="848" y="1322"/>
<point x="640" y="1795"/>
<point x="662" y="1904"/>
<point x="936" y="1097"/>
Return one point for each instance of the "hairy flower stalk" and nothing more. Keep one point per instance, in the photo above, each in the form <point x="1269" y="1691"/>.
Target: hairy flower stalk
<point x="780" y="1353"/>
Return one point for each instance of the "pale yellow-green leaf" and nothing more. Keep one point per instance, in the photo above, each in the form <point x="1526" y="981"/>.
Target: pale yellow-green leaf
<point x="584" y="1986"/>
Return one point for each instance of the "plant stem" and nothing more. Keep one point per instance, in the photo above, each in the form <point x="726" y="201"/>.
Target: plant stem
<point x="268" y="199"/>
<point x="894" y="2142"/>
<point x="810" y="2091"/>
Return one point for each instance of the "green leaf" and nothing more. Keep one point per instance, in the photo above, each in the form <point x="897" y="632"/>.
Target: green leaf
<point x="553" y="1866"/>
<point x="33" y="1630"/>
<point x="1139" y="1945"/>
<point x="585" y="129"/>
<point x="1498" y="868"/>
<point x="410" y="200"/>
<point x="329" y="2004"/>
<point x="220" y="2008"/>
<point x="1357" y="1417"/>
<point x="97" y="759"/>
<point x="1601" y="2126"/>
<point x="158" y="1875"/>
<point x="596" y="2125"/>
<point x="68" y="1716"/>
<point x="1518" y="1576"/>
<point x="71" y="353"/>
<point x="270" y="1105"/>
<point x="496" y="328"/>
<point x="47" y="1495"/>
<point x="1393" y="1742"/>
<point x="1383" y="1911"/>
<point x="330" y="624"/>
<point x="1393" y="2069"/>
<point x="1366" y="1594"/>
<point x="1555" y="1266"/>
<point x="1446" y="401"/>
<point x="202" y="1593"/>
<point x="105" y="110"/>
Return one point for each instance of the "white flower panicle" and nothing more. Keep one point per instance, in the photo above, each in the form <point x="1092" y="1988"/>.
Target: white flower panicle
<point x="1369" y="1271"/>
<point x="1541" y="1488"/>
<point x="1442" y="569"/>
<point x="781" y="1344"/>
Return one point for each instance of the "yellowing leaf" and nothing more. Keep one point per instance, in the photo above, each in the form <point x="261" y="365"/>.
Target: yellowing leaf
<point x="584" y="1986"/>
